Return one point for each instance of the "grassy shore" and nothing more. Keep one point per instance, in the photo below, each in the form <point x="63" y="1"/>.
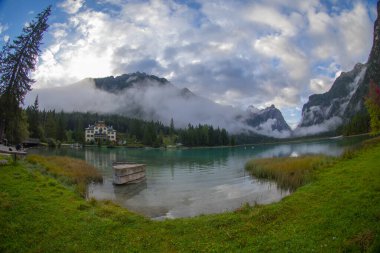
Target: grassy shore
<point x="338" y="211"/>
<point x="68" y="171"/>
<point x="288" y="172"/>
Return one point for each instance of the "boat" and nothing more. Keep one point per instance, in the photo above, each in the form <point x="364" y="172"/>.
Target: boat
<point x="126" y="172"/>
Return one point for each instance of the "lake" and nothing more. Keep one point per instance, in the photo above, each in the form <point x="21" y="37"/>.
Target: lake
<point x="190" y="182"/>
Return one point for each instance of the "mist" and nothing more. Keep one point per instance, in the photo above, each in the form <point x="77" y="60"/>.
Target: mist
<point x="328" y="125"/>
<point x="265" y="128"/>
<point x="149" y="101"/>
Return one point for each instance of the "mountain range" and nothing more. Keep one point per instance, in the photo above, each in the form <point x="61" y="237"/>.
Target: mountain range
<point x="149" y="97"/>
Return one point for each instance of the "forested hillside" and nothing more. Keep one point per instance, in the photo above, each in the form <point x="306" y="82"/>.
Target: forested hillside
<point x="52" y="126"/>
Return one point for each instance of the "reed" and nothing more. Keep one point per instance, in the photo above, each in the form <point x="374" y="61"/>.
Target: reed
<point x="69" y="170"/>
<point x="371" y="142"/>
<point x="288" y="172"/>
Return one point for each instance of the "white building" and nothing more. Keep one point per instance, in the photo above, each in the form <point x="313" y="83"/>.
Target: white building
<point x="100" y="132"/>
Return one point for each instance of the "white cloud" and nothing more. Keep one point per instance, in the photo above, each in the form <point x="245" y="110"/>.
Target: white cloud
<point x="3" y="28"/>
<point x="320" y="85"/>
<point x="344" y="38"/>
<point x="72" y="6"/>
<point x="319" y="22"/>
<point x="6" y="38"/>
<point x="273" y="18"/>
<point x="356" y="29"/>
<point x="292" y="59"/>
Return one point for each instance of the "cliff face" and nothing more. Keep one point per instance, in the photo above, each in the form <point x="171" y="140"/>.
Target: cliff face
<point x="372" y="73"/>
<point x="374" y="57"/>
<point x="335" y="102"/>
<point x="258" y="118"/>
<point x="347" y="94"/>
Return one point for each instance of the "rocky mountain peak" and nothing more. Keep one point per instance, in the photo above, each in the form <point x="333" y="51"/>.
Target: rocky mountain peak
<point x="118" y="83"/>
<point x="186" y="93"/>
<point x="253" y="109"/>
<point x="270" y="115"/>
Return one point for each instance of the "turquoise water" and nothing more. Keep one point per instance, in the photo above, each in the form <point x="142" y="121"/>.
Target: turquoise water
<point x="189" y="182"/>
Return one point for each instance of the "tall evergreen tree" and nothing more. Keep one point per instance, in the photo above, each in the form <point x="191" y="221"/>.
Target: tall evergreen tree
<point x="171" y="130"/>
<point x="18" y="59"/>
<point x="35" y="129"/>
<point x="51" y="125"/>
<point x="61" y="127"/>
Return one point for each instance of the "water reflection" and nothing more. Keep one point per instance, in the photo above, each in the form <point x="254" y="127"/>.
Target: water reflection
<point x="284" y="150"/>
<point x="123" y="192"/>
<point x="189" y="182"/>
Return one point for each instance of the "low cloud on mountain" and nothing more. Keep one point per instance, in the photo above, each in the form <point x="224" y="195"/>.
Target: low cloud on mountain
<point x="150" y="101"/>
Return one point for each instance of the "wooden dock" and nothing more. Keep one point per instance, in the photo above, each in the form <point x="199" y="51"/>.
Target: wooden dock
<point x="14" y="153"/>
<point x="124" y="172"/>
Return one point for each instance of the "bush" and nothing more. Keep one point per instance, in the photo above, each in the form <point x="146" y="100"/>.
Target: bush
<point x="51" y="143"/>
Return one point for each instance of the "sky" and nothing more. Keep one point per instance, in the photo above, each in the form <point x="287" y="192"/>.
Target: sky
<point x="237" y="53"/>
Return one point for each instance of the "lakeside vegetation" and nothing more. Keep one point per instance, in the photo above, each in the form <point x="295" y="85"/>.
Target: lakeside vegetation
<point x="288" y="172"/>
<point x="68" y="170"/>
<point x="339" y="211"/>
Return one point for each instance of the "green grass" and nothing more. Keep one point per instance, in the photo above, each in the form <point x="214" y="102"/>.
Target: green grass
<point x="338" y="211"/>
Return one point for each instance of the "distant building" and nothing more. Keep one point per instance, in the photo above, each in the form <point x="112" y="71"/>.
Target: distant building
<point x="100" y="132"/>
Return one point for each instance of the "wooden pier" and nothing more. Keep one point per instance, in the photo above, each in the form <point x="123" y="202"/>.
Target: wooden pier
<point x="15" y="154"/>
<point x="124" y="172"/>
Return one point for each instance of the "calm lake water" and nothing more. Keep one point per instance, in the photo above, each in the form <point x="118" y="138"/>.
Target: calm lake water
<point x="189" y="182"/>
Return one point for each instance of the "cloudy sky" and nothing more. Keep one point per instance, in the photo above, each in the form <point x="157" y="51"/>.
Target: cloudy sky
<point x="239" y="53"/>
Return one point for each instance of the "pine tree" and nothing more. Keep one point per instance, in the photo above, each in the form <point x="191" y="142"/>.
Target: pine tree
<point x="61" y="127"/>
<point x="171" y="129"/>
<point x="17" y="60"/>
<point x="35" y="129"/>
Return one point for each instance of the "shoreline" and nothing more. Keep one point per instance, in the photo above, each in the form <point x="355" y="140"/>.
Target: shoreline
<point x="4" y="149"/>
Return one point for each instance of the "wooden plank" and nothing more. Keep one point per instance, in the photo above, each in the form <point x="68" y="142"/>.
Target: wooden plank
<point x="128" y="178"/>
<point x="13" y="152"/>
<point x="127" y="165"/>
<point x="123" y="171"/>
